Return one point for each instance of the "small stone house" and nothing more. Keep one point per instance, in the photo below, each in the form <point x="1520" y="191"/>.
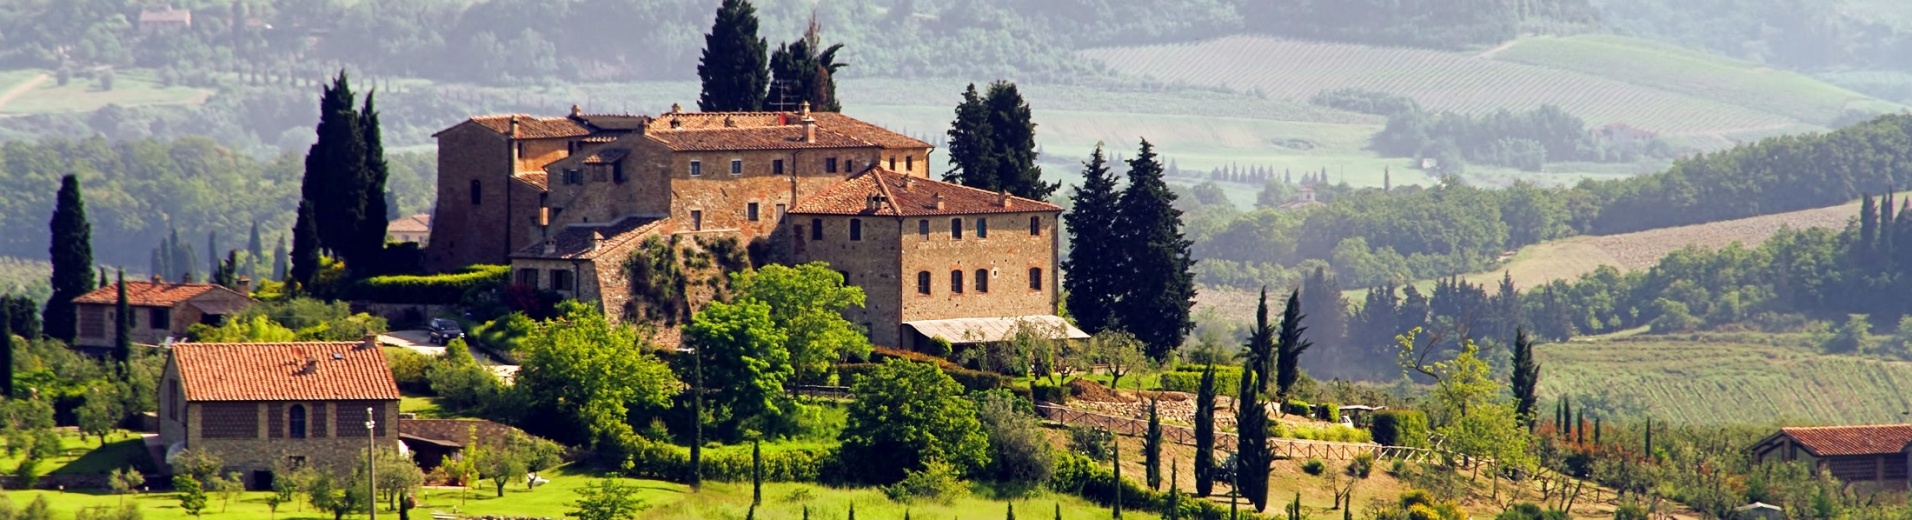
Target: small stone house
<point x="161" y="310"/>
<point x="263" y="406"/>
<point x="1875" y="454"/>
<point x="415" y="228"/>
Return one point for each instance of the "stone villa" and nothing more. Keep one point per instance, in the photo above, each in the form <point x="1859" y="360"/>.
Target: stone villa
<point x="161" y="310"/>
<point x="566" y="200"/>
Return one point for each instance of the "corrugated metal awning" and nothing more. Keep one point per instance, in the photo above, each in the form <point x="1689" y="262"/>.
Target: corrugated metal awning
<point x="960" y="331"/>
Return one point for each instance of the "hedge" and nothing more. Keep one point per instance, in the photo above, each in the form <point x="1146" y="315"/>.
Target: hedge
<point x="1075" y="474"/>
<point x="1400" y="428"/>
<point x="781" y="463"/>
<point x="1297" y="407"/>
<point x="1189" y="379"/>
<point x="437" y="289"/>
<point x="972" y="380"/>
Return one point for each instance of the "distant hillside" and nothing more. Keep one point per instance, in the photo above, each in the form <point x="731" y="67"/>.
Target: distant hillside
<point x="1707" y="382"/>
<point x="1660" y="89"/>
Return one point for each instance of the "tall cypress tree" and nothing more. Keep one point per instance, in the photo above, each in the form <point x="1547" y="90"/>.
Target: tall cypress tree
<point x="305" y="246"/>
<point x="212" y="255"/>
<point x="1013" y="130"/>
<point x="256" y="248"/>
<point x="1091" y="284"/>
<point x="972" y="148"/>
<point x="1156" y="263"/>
<point x="1152" y="449"/>
<point x="1526" y="378"/>
<point x="1260" y="353"/>
<point x="1251" y="445"/>
<point x="123" y="324"/>
<point x="335" y="181"/>
<point x="1321" y="295"/>
<point x="281" y="261"/>
<point x="6" y="348"/>
<point x="734" y="69"/>
<point x="72" y="256"/>
<point x="756" y="472"/>
<point x="1205" y="433"/>
<point x="1116" y="504"/>
<point x="369" y="235"/>
<point x="1289" y="346"/>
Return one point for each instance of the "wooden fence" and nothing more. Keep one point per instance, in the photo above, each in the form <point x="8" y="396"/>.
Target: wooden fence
<point x="1288" y="448"/>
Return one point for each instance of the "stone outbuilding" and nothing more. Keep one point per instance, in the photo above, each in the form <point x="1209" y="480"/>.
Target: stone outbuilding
<point x="267" y="406"/>
<point x="161" y="310"/>
<point x="1875" y="454"/>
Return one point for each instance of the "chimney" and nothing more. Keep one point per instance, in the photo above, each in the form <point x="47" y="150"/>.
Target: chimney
<point x="677" y="108"/>
<point x="157" y="278"/>
<point x="1002" y="198"/>
<point x="597" y="240"/>
<point x="803" y="109"/>
<point x="371" y="341"/>
<point x="809" y="129"/>
<point x="550" y="246"/>
<point x="576" y="111"/>
<point x="244" y="285"/>
<point x="908" y="181"/>
<point x="936" y="201"/>
<point x="514" y="127"/>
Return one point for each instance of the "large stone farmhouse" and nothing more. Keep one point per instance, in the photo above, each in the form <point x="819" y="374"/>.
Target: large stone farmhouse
<point x="1875" y="454"/>
<point x="262" y="406"/>
<point x="565" y="201"/>
<point x="161" y="310"/>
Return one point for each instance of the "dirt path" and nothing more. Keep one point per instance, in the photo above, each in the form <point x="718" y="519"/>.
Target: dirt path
<point x="1490" y="53"/>
<point x="21" y="89"/>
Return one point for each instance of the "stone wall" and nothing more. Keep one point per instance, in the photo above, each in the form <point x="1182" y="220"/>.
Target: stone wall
<point x="336" y="436"/>
<point x="872" y="263"/>
<point x="1007" y="254"/>
<point x="465" y="233"/>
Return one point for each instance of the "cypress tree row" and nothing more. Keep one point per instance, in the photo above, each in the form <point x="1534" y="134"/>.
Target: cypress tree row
<point x="71" y="253"/>
<point x="1156" y="262"/>
<point x="1205" y="433"/>
<point x="1152" y="449"/>
<point x="344" y="180"/>
<point x="1251" y="453"/>
<point x="368" y="237"/>
<point x="1289" y="346"/>
<point x="123" y="324"/>
<point x="305" y="246"/>
<point x="733" y="70"/>
<point x="1526" y="378"/>
<point x="1093" y="284"/>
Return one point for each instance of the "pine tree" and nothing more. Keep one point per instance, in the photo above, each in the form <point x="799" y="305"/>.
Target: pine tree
<point x="123" y="325"/>
<point x="1156" y="261"/>
<point x="1205" y="433"/>
<point x="6" y="348"/>
<point x="1251" y="453"/>
<point x="972" y="149"/>
<point x="1013" y="131"/>
<point x="369" y="234"/>
<point x="72" y="256"/>
<point x="1152" y="449"/>
<point x="802" y="71"/>
<point x="305" y="246"/>
<point x="1092" y="286"/>
<point x="1289" y="346"/>
<point x="734" y="69"/>
<point x="1526" y="378"/>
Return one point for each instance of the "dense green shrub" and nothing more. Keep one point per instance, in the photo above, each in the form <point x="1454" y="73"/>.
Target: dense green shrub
<point x="972" y="380"/>
<point x="937" y="482"/>
<point x="1094" y="443"/>
<point x="1333" y="433"/>
<point x="781" y="462"/>
<point x="1314" y="467"/>
<point x="1188" y="378"/>
<point x="1330" y="412"/>
<point x="1529" y="511"/>
<point x="1042" y="392"/>
<point x="410" y="369"/>
<point x="1400" y="428"/>
<point x="441" y="289"/>
<point x="1297" y="407"/>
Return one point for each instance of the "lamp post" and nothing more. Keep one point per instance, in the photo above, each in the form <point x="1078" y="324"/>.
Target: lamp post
<point x="371" y="464"/>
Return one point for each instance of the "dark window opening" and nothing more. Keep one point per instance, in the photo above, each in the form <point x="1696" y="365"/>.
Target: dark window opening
<point x="750" y="211"/>
<point x="696" y="168"/>
<point x="560" y="280"/>
<point x="296" y="421"/>
<point x="736" y="167"/>
<point x="829" y="165"/>
<point x="1035" y="226"/>
<point x="160" y="318"/>
<point x="922" y="282"/>
<point x="477" y="193"/>
<point x="776" y="166"/>
<point x="922" y="227"/>
<point x="956" y="228"/>
<point x="816" y="229"/>
<point x="1035" y="278"/>
<point x="617" y="171"/>
<point x="982" y="280"/>
<point x="696" y="220"/>
<point x="892" y="162"/>
<point x="528" y="278"/>
<point x="856" y="229"/>
<point x="982" y="228"/>
<point x="573" y="176"/>
<point x="956" y="282"/>
<point x="909" y="163"/>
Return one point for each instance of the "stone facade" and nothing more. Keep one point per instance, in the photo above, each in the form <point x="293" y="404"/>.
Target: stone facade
<point x="254" y="437"/>
<point x="164" y="312"/>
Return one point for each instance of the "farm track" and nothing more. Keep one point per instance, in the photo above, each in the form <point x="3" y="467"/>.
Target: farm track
<point x="22" y="89"/>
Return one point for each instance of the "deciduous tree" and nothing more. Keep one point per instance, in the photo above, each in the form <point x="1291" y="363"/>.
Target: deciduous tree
<point x="581" y="377"/>
<point x="908" y="414"/>
<point x="806" y="306"/>
<point x="745" y="365"/>
<point x="607" y="499"/>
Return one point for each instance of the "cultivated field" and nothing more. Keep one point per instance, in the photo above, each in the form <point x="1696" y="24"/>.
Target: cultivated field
<point x="1726" y="382"/>
<point x="130" y="88"/>
<point x="1439" y="80"/>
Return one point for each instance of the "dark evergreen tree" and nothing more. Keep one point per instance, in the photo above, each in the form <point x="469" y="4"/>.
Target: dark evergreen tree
<point x="368" y="236"/>
<point x="101" y="279"/>
<point x="23" y="316"/>
<point x="697" y="426"/>
<point x="72" y="256"/>
<point x="1155" y="260"/>
<point x="734" y="69"/>
<point x="6" y="348"/>
<point x="1152" y="449"/>
<point x="1259" y="355"/>
<point x="1092" y="284"/>
<point x="256" y="251"/>
<point x="122" y="323"/>
<point x="802" y="71"/>
<point x="756" y="473"/>
<point x="305" y="246"/>
<point x="1526" y="378"/>
<point x="227" y="274"/>
<point x="281" y="261"/>
<point x="335" y="177"/>
<point x="1013" y="130"/>
<point x="1252" y="458"/>
<point x="183" y="260"/>
<point x="972" y="147"/>
<point x="1321" y="295"/>
<point x="212" y="255"/>
<point x="1174" y="509"/>
<point x="1205" y="433"/>
<point x="1115" y="450"/>
<point x="1289" y="346"/>
<point x="1868" y="230"/>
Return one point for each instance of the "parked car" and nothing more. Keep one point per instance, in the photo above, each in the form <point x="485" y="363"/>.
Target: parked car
<point x="444" y="330"/>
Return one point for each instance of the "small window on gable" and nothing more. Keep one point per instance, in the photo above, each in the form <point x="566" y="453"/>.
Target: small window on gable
<point x="892" y="162"/>
<point x="956" y="228"/>
<point x="1035" y="278"/>
<point x="736" y="167"/>
<point x="982" y="280"/>
<point x="573" y="176"/>
<point x="909" y="163"/>
<point x="982" y="228"/>
<point x="750" y="211"/>
<point x="829" y="165"/>
<point x="816" y="229"/>
<point x="776" y="166"/>
<point x="956" y="282"/>
<point x="922" y="282"/>
<point x="617" y="171"/>
<point x="922" y="228"/>
<point x="696" y="168"/>
<point x="1035" y="226"/>
<point x="856" y="229"/>
<point x="477" y="193"/>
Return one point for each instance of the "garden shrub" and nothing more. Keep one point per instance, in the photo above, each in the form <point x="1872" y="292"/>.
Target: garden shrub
<point x="1188" y="378"/>
<point x="937" y="482"/>
<point x="1330" y="412"/>
<point x="1363" y="464"/>
<point x="1314" y="467"/>
<point x="1297" y="407"/>
<point x="439" y="289"/>
<point x="1079" y="476"/>
<point x="1042" y="392"/>
<point x="781" y="462"/>
<point x="1400" y="428"/>
<point x="1093" y="443"/>
<point x="411" y="370"/>
<point x="1530" y="511"/>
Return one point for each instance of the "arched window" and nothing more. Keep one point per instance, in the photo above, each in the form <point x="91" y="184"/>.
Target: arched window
<point x="856" y="229"/>
<point x="982" y="228"/>
<point x="956" y="282"/>
<point x="477" y="192"/>
<point x="1035" y="226"/>
<point x="1035" y="278"/>
<point x="956" y="228"/>
<point x="296" y="419"/>
<point x="922" y="282"/>
<point x="816" y="229"/>
<point x="982" y="280"/>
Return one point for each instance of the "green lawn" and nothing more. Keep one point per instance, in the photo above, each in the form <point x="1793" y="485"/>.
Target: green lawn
<point x="425" y="407"/>
<point x="130" y="88"/>
<point x="80" y="456"/>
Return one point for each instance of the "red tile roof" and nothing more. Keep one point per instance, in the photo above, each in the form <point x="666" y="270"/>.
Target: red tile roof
<point x="533" y="127"/>
<point x="150" y="294"/>
<point x="313" y="371"/>
<point x="584" y="242"/>
<point x="903" y="195"/>
<point x="419" y="223"/>
<point x="541" y="180"/>
<point x="1829" y="441"/>
<point x="840" y="124"/>
<point x="786" y="137"/>
<point x="865" y="131"/>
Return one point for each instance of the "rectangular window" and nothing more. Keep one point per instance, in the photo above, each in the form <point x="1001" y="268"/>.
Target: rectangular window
<point x="776" y="166"/>
<point x="696" y="220"/>
<point x="573" y="176"/>
<point x="922" y="282"/>
<point x="162" y="318"/>
<point x="1035" y="226"/>
<point x="829" y="165"/>
<point x="750" y="211"/>
<point x="956" y="229"/>
<point x="560" y="280"/>
<point x="856" y="229"/>
<point x="956" y="282"/>
<point x="922" y="228"/>
<point x="696" y="168"/>
<point x="982" y="228"/>
<point x="909" y="163"/>
<point x="617" y="171"/>
<point x="816" y="229"/>
<point x="736" y="167"/>
<point x="1035" y="278"/>
<point x="892" y="163"/>
<point x="982" y="280"/>
<point x="528" y="278"/>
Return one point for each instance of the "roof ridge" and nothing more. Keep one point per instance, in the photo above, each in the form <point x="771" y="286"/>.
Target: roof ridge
<point x="971" y="188"/>
<point x="889" y="199"/>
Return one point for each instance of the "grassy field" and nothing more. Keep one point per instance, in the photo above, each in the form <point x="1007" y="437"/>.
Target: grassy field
<point x="1726" y="381"/>
<point x="130" y="88"/>
<point x="1470" y="83"/>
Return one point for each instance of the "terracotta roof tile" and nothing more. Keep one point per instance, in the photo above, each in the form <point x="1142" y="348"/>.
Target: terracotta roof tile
<point x="150" y="294"/>
<point x="579" y="242"/>
<point x="534" y="127"/>
<point x="1828" y="441"/>
<point x="314" y="371"/>
<point x="419" y="223"/>
<point x="541" y="180"/>
<point x="606" y="155"/>
<point x="910" y="196"/>
<point x="859" y="129"/>
<point x="846" y="126"/>
<point x="757" y="138"/>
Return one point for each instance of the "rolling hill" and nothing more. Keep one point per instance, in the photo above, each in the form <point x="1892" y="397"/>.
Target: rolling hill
<point x="1726" y="381"/>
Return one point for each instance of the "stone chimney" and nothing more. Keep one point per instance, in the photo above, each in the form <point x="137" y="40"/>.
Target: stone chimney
<point x="936" y="201"/>
<point x="158" y="279"/>
<point x="809" y="128"/>
<point x="908" y="181"/>
<point x="550" y="246"/>
<point x="243" y="284"/>
<point x="514" y="127"/>
<point x="370" y="341"/>
<point x="677" y="108"/>
<point x="1002" y="198"/>
<point x="597" y="240"/>
<point x="803" y="109"/>
<point x="576" y="110"/>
